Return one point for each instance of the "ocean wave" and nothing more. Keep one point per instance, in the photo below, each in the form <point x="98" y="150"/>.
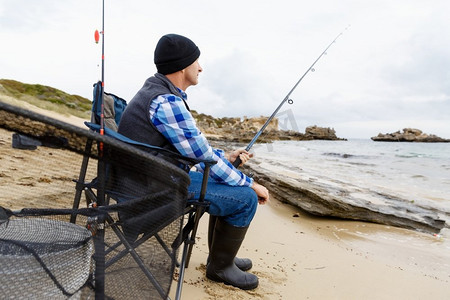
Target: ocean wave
<point x="419" y="177"/>
<point x="346" y="155"/>
<point x="411" y="155"/>
<point x="362" y="164"/>
<point x="343" y="155"/>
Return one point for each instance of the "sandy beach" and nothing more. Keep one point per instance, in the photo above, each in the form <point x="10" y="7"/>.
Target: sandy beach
<point x="299" y="256"/>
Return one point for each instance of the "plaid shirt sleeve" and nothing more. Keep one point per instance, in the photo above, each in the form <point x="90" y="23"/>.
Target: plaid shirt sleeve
<point x="171" y="117"/>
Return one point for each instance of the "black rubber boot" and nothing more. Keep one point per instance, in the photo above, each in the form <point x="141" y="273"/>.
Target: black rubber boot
<point x="225" y="245"/>
<point x="244" y="264"/>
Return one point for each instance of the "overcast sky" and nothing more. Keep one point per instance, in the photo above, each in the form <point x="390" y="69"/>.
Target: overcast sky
<point x="388" y="71"/>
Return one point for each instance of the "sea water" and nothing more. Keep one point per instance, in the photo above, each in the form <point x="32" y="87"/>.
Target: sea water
<point x="418" y="172"/>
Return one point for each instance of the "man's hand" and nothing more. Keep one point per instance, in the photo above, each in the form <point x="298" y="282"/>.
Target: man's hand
<point x="262" y="192"/>
<point x="243" y="155"/>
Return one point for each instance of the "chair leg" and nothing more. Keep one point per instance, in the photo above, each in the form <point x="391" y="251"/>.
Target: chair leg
<point x="187" y="250"/>
<point x="199" y="211"/>
<point x="81" y="178"/>
<point x="182" y="270"/>
<point x="99" y="258"/>
<point x="191" y="241"/>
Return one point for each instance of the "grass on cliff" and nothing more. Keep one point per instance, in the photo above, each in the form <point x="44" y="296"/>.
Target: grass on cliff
<point x="46" y="97"/>
<point x="52" y="99"/>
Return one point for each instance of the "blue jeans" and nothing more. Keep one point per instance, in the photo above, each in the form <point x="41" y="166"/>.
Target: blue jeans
<point x="237" y="204"/>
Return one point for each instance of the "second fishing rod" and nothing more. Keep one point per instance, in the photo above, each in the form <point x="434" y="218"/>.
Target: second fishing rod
<point x="238" y="161"/>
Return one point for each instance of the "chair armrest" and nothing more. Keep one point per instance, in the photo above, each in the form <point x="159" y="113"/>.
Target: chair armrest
<point x="122" y="138"/>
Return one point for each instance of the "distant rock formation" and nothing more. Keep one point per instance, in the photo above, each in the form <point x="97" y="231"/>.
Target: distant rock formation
<point x="409" y="135"/>
<point x="243" y="130"/>
<point x="321" y="133"/>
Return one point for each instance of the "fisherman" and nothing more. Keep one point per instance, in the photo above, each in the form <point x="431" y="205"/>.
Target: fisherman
<point x="159" y="115"/>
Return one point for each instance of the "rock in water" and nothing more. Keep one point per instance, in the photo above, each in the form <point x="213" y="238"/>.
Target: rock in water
<point x="409" y="135"/>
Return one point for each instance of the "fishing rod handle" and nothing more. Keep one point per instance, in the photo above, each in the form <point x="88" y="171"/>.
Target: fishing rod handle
<point x="237" y="162"/>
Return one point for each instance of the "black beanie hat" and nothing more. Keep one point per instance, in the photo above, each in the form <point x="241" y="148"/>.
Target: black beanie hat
<point x="174" y="53"/>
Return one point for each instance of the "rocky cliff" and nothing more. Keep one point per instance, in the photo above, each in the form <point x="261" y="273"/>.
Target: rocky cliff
<point x="243" y="130"/>
<point x="409" y="135"/>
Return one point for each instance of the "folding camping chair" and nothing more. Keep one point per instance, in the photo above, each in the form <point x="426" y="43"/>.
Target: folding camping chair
<point x="134" y="242"/>
<point x="113" y="108"/>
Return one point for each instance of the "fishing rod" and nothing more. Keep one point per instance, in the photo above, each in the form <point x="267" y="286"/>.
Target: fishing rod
<point x="102" y="116"/>
<point x="100" y="200"/>
<point x="238" y="161"/>
<point x="97" y="37"/>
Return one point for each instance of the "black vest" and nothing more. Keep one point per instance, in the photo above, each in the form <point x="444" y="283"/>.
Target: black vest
<point x="136" y="123"/>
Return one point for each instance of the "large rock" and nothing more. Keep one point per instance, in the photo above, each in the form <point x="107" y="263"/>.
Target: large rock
<point x="331" y="198"/>
<point x="320" y="133"/>
<point x="409" y="135"/>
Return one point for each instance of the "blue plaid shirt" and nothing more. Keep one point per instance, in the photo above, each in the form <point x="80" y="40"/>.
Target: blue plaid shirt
<point x="171" y="117"/>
